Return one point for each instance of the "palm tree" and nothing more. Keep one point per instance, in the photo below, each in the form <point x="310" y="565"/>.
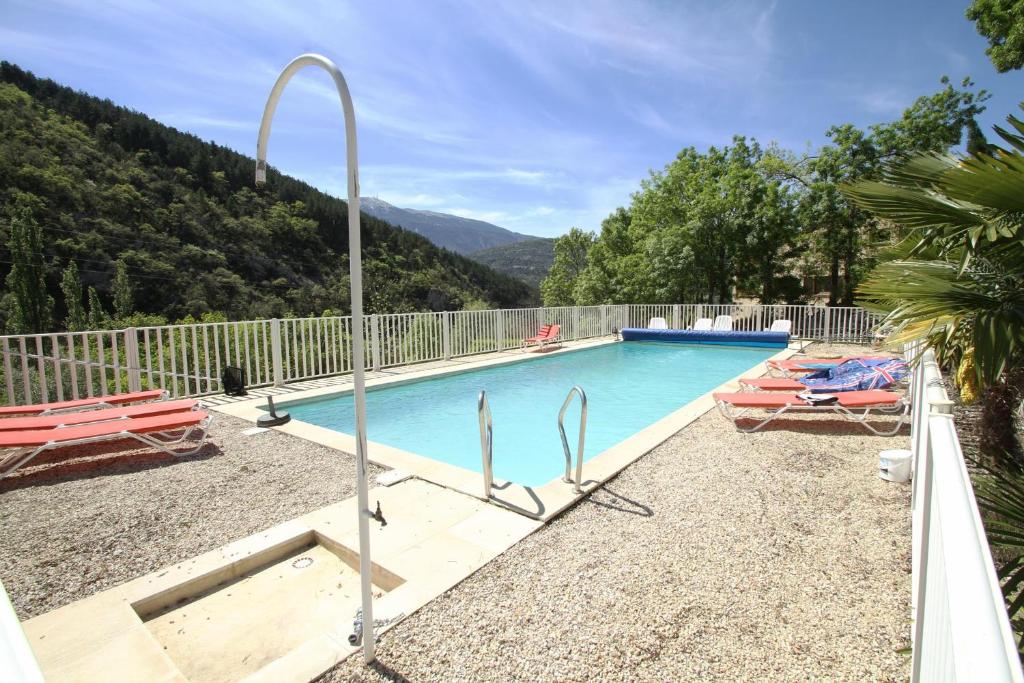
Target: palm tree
<point x="959" y="285"/>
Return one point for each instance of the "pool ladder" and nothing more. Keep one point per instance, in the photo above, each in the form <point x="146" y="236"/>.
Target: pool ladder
<point x="565" y="442"/>
<point x="483" y="410"/>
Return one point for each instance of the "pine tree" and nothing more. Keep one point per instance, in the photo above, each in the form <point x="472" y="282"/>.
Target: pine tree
<point x="71" y="286"/>
<point x="124" y="299"/>
<point x="31" y="308"/>
<point x="97" y="316"/>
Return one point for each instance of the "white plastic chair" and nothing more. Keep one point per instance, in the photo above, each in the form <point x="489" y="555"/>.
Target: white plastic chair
<point x="781" y="326"/>
<point x="723" y="323"/>
<point x="702" y="324"/>
<point x="657" y="324"/>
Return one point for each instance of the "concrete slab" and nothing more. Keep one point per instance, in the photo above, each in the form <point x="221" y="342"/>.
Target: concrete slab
<point x="254" y="610"/>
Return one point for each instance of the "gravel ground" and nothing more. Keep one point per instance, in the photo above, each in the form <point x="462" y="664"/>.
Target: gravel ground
<point x="779" y="555"/>
<point x="82" y="521"/>
<point x="720" y="556"/>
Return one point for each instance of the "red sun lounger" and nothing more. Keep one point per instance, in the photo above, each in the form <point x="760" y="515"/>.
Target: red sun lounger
<point x="855" y="406"/>
<point x="773" y="384"/>
<point x="94" y="403"/>
<point x="57" y="420"/>
<point x="546" y="335"/>
<point x="155" y="431"/>
<point x="792" y="366"/>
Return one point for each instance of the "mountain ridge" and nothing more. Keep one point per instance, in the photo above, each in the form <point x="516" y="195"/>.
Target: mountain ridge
<point x="456" y="233"/>
<point x="529" y="260"/>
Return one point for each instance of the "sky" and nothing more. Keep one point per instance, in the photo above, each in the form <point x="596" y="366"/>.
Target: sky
<point x="534" y="115"/>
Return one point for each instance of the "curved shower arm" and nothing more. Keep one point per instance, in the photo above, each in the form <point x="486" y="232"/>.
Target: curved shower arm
<point x="347" y="109"/>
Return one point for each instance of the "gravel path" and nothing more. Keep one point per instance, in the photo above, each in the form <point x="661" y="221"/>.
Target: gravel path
<point x="720" y="556"/>
<point x="93" y="521"/>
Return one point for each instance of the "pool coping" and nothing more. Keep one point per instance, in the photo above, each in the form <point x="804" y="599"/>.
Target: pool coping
<point x="540" y="502"/>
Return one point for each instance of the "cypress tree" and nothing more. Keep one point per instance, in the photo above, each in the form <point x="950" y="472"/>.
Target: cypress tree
<point x="97" y="316"/>
<point x="31" y="307"/>
<point x="976" y="142"/>
<point x="124" y="299"/>
<point x="71" y="286"/>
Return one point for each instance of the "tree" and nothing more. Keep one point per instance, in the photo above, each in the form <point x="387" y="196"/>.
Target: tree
<point x="71" y="286"/>
<point x="124" y="297"/>
<point x="698" y="229"/>
<point x="571" y="250"/>
<point x="1002" y="22"/>
<point x="840" y="234"/>
<point x="31" y="308"/>
<point x="97" y="316"/>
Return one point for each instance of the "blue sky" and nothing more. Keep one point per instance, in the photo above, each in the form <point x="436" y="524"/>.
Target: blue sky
<point x="537" y="116"/>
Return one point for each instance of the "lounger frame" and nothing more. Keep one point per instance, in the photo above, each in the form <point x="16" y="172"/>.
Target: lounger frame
<point x="160" y="440"/>
<point x="858" y="415"/>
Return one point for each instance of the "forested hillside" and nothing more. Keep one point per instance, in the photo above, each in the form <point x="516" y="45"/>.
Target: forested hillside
<point x="529" y="260"/>
<point x="191" y="233"/>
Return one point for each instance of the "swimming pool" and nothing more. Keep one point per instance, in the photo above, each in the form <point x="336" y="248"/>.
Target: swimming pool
<point x="629" y="385"/>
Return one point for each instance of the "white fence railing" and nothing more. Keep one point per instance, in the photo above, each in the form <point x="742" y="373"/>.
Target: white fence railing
<point x="189" y="360"/>
<point x="961" y="631"/>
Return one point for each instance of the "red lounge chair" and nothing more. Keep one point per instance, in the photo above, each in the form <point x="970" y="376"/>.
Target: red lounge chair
<point x="793" y="366"/>
<point x="735" y="406"/>
<point x="94" y="403"/>
<point x="152" y="431"/>
<point x="546" y="335"/>
<point x="55" y="421"/>
<point x="773" y="384"/>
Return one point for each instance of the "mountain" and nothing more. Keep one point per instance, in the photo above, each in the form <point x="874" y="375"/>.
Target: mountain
<point x="529" y="260"/>
<point x="461" y="235"/>
<point x="109" y="184"/>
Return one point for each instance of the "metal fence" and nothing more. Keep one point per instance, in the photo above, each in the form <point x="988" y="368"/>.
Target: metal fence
<point x="188" y="360"/>
<point x="961" y="631"/>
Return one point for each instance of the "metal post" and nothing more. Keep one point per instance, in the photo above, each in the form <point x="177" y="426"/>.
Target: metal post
<point x="604" y="320"/>
<point x="676" y="317"/>
<point x="275" y="352"/>
<point x="446" y="334"/>
<point x="131" y="359"/>
<point x="499" y="330"/>
<point x="826" y="333"/>
<point x="375" y="342"/>
<point x="356" y="280"/>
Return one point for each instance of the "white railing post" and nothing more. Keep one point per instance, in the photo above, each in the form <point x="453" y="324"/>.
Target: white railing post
<point x="375" y="341"/>
<point x="577" y="322"/>
<point x="604" y="320"/>
<point x="131" y="359"/>
<point x="825" y="332"/>
<point x="275" y="352"/>
<point x="676" y="317"/>
<point x="446" y="335"/>
<point x="499" y="330"/>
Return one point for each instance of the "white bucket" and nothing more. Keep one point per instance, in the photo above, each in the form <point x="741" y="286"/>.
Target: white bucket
<point x="894" y="465"/>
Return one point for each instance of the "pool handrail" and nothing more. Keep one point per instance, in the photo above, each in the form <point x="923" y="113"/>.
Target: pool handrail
<point x="483" y="410"/>
<point x="583" y="433"/>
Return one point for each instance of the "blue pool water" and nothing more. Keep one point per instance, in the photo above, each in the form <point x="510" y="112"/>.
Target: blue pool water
<point x="629" y="386"/>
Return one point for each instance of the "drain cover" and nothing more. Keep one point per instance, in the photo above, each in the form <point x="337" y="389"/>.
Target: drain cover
<point x="302" y="562"/>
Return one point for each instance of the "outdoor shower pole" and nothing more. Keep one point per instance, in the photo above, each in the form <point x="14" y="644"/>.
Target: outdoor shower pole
<point x="356" y="278"/>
